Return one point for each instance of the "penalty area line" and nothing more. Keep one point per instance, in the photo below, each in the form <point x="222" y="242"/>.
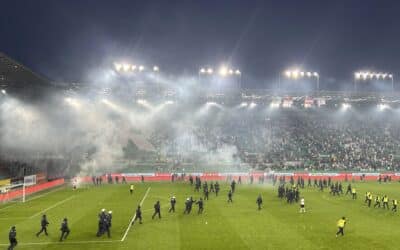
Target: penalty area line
<point x="45" y="193"/>
<point x="134" y="216"/>
<point x="51" y="207"/>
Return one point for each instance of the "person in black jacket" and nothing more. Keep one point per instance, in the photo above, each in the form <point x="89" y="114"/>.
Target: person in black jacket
<point x="157" y="210"/>
<point x="108" y="223"/>
<point x="43" y="223"/>
<point x="102" y="219"/>
<point x="233" y="185"/>
<point x="230" y="196"/>
<point x="216" y="186"/>
<point x="64" y="229"/>
<point x="173" y="202"/>
<point x="12" y="236"/>
<point x="138" y="215"/>
<point x="259" y="201"/>
<point x="201" y="206"/>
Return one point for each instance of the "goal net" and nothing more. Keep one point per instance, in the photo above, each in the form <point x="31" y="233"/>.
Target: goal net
<point x="17" y="191"/>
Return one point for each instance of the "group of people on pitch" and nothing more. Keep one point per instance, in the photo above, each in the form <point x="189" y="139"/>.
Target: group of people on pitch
<point x="44" y="223"/>
<point x="190" y="201"/>
<point x="104" y="223"/>
<point x="378" y="200"/>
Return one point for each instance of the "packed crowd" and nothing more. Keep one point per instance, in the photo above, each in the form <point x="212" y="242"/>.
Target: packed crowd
<point x="291" y="140"/>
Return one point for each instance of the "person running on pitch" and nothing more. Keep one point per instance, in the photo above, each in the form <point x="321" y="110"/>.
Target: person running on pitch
<point x="131" y="188"/>
<point x="12" y="237"/>
<point x="43" y="223"/>
<point x="341" y="224"/>
<point x="173" y="202"/>
<point x="353" y="193"/>
<point x="259" y="201"/>
<point x="201" y="206"/>
<point x="302" y="206"/>
<point x="64" y="229"/>
<point x="157" y="210"/>
<point x="385" y="202"/>
<point x="394" y="209"/>
<point x="138" y="215"/>
<point x="377" y="201"/>
<point x="230" y="196"/>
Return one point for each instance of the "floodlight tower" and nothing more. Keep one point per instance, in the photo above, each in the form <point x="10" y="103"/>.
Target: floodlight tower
<point x="225" y="71"/>
<point x="299" y="74"/>
<point x="206" y="71"/>
<point x="366" y="76"/>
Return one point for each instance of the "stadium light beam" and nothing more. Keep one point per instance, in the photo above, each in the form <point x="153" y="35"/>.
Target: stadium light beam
<point x="4" y="92"/>
<point x="112" y="105"/>
<point x="297" y="74"/>
<point x="274" y="105"/>
<point x="206" y="71"/>
<point x="346" y="106"/>
<point x="118" y="66"/>
<point x="126" y="67"/>
<point x="383" y="106"/>
<point x="73" y="102"/>
<point x="223" y="71"/>
<point x="244" y="104"/>
<point x="366" y="75"/>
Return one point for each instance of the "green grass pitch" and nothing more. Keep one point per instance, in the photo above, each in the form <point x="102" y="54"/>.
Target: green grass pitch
<point x="221" y="226"/>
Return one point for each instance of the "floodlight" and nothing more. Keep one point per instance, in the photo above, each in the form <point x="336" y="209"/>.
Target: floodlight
<point x="252" y="105"/>
<point x="223" y="71"/>
<point x="346" y="106"/>
<point x="126" y="67"/>
<point x="382" y="106"/>
<point x="118" y="66"/>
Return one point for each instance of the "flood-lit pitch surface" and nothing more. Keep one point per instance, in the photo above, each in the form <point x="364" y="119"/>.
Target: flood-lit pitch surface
<point x="222" y="226"/>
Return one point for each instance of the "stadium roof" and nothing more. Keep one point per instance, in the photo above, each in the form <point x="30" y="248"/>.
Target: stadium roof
<point x="19" y="79"/>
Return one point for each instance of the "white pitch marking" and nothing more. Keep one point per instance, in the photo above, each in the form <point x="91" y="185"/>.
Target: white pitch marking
<point x="51" y="207"/>
<point x="34" y="198"/>
<point x="62" y="243"/>
<point x="134" y="216"/>
<point x="42" y="195"/>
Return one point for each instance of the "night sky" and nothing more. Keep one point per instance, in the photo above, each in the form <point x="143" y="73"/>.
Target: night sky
<point x="63" y="40"/>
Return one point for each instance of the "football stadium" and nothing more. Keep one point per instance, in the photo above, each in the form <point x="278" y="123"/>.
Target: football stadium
<point x="139" y="155"/>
